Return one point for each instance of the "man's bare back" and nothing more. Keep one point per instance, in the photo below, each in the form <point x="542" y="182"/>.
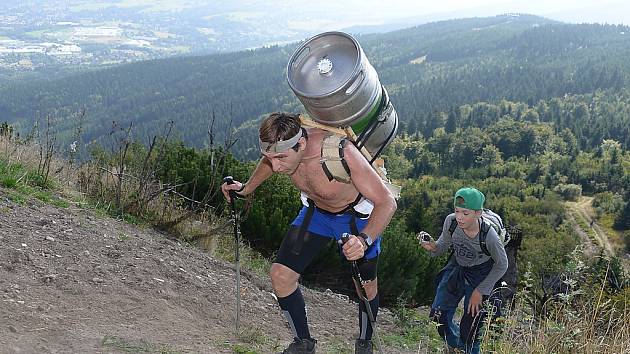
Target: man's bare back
<point x="310" y="178"/>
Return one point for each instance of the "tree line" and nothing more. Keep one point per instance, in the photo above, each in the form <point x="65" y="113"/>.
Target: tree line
<point x="427" y="69"/>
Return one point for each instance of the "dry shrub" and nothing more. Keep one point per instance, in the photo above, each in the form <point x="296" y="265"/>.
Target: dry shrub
<point x="586" y="318"/>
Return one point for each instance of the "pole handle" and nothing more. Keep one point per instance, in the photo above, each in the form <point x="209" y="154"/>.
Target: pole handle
<point x="344" y="238"/>
<point x="230" y="180"/>
<point x="355" y="267"/>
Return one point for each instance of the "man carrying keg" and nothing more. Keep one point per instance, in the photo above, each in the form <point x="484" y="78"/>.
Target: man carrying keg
<point x="362" y="208"/>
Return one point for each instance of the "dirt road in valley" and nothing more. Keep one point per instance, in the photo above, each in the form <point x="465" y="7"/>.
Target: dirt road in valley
<point x="585" y="210"/>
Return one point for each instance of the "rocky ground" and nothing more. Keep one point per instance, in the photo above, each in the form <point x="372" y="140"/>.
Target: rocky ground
<point x="75" y="282"/>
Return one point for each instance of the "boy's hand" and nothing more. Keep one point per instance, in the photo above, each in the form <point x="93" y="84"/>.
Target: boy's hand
<point x="474" y="304"/>
<point x="426" y="241"/>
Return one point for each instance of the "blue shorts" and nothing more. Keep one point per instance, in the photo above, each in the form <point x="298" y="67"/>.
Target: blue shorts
<point x="332" y="226"/>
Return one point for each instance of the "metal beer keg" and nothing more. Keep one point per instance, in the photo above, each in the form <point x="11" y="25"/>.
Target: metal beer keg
<point x="332" y="77"/>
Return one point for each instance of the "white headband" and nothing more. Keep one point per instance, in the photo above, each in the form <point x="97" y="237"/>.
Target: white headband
<point x="280" y="145"/>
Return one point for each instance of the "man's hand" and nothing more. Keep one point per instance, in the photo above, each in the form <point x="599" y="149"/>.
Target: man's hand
<point x="474" y="304"/>
<point x="354" y="248"/>
<point x="426" y="241"/>
<point x="226" y="188"/>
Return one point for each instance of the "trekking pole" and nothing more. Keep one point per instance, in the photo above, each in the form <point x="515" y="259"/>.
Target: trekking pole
<point x="359" y="284"/>
<point x="230" y="180"/>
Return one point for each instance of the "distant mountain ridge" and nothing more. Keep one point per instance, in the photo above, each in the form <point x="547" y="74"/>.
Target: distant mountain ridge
<point x="514" y="56"/>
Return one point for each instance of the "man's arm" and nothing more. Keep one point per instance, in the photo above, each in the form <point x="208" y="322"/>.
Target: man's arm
<point x="262" y="171"/>
<point x="372" y="187"/>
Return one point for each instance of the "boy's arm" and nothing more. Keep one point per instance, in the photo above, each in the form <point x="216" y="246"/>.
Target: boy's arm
<point x="445" y="240"/>
<point x="497" y="252"/>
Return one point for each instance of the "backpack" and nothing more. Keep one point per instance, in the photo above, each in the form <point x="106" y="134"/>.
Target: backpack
<point x="489" y="219"/>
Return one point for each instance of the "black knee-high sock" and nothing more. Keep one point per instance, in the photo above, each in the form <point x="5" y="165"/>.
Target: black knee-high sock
<point x="294" y="311"/>
<point x="365" y="327"/>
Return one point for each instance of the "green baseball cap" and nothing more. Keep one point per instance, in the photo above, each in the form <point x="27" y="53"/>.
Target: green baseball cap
<point x="469" y="198"/>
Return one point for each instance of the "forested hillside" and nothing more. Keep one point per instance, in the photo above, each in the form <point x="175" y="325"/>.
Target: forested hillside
<point x="534" y="113"/>
<point x="427" y="69"/>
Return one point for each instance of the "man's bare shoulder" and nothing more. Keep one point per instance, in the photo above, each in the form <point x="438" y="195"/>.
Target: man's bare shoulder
<point x="355" y="158"/>
<point x="315" y="133"/>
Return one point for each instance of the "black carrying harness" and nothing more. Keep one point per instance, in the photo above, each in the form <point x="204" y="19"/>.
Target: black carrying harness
<point x="301" y="236"/>
<point x="385" y="109"/>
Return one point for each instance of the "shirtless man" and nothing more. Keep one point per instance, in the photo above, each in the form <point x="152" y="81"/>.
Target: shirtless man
<point x="362" y="208"/>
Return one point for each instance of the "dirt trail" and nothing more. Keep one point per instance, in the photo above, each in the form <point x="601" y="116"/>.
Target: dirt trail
<point x="583" y="207"/>
<point x="74" y="282"/>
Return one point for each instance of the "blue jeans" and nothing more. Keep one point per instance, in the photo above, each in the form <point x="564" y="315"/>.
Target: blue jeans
<point x="465" y="335"/>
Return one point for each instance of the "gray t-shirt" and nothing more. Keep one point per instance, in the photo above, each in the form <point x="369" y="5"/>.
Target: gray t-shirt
<point x="468" y="252"/>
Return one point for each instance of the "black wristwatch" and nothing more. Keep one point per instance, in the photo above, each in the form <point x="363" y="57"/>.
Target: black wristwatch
<point x="237" y="192"/>
<point x="368" y="240"/>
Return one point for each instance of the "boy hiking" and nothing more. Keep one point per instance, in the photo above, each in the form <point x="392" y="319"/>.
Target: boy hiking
<point x="361" y="208"/>
<point x="471" y="272"/>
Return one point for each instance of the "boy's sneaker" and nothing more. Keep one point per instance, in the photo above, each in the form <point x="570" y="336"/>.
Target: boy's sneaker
<point x="363" y="346"/>
<point x="301" y="346"/>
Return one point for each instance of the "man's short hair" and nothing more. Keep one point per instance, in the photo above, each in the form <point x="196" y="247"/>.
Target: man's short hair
<point x="280" y="126"/>
<point x="469" y="198"/>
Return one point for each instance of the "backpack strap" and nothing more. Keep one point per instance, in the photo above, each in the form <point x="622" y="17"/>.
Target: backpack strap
<point x="333" y="163"/>
<point x="451" y="229"/>
<point x="485" y="228"/>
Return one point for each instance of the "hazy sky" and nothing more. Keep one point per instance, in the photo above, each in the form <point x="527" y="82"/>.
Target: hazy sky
<point x="374" y="11"/>
<point x="308" y="16"/>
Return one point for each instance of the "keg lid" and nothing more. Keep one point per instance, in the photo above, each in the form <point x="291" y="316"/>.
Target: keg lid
<point x="324" y="64"/>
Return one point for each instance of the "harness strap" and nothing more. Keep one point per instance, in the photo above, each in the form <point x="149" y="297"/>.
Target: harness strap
<point x="451" y="229"/>
<point x="485" y="228"/>
<point x="348" y="210"/>
<point x="386" y="109"/>
<point x="353" y="224"/>
<point x="333" y="163"/>
<point x="355" y="203"/>
<point x="301" y="236"/>
<point x="371" y="128"/>
<point x="299" y="241"/>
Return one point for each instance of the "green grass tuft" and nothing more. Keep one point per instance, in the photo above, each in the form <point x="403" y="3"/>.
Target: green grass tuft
<point x="127" y="346"/>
